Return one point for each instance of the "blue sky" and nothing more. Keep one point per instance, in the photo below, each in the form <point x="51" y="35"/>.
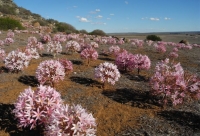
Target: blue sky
<point x="120" y="15"/>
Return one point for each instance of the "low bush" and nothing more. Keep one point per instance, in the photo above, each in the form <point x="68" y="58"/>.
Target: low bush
<point x="153" y="38"/>
<point x="8" y="23"/>
<point x="98" y="32"/>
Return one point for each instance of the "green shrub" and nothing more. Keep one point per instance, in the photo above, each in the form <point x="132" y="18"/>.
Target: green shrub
<point x="64" y="27"/>
<point x="83" y="31"/>
<point x="98" y="32"/>
<point x="8" y="23"/>
<point x="153" y="38"/>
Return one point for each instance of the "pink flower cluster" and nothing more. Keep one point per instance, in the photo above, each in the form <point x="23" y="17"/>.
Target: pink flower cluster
<point x="54" y="47"/>
<point x="8" y="41"/>
<point x="32" y="53"/>
<point x="2" y="54"/>
<point x="16" y="61"/>
<point x="138" y="43"/>
<point x="125" y="61"/>
<point x="89" y="54"/>
<point x="141" y="62"/>
<point x="1" y="43"/>
<point x="67" y="64"/>
<point x="45" y="38"/>
<point x="73" y="46"/>
<point x="107" y="72"/>
<point x="72" y="121"/>
<point x="34" y="108"/>
<point x="44" y="107"/>
<point x="173" y="84"/>
<point x="114" y="50"/>
<point x="160" y="47"/>
<point x="50" y="71"/>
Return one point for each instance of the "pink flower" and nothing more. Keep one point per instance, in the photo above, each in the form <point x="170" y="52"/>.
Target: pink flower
<point x="71" y="120"/>
<point x="32" y="109"/>
<point x="73" y="46"/>
<point x="50" y="71"/>
<point x="16" y="61"/>
<point x="107" y="72"/>
<point x="67" y="64"/>
<point x="89" y="54"/>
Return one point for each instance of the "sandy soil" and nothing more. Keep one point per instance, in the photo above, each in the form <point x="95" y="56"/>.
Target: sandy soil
<point x="125" y="109"/>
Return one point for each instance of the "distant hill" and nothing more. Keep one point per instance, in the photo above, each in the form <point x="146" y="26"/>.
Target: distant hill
<point x="9" y="9"/>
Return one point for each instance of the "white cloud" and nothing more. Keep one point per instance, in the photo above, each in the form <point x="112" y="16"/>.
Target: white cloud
<point x="126" y="2"/>
<point x="78" y="17"/>
<point x="166" y="18"/>
<point x="82" y="19"/>
<point x="108" y="18"/>
<point x="97" y="10"/>
<point x="154" y="19"/>
<point x="74" y="6"/>
<point x="99" y="16"/>
<point x="112" y="14"/>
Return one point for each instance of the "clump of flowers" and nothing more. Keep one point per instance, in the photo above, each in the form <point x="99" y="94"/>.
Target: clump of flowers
<point x="173" y="84"/>
<point x="71" y="120"/>
<point x="73" y="46"/>
<point x="141" y="62"/>
<point x="54" y="47"/>
<point x="1" y="43"/>
<point x="114" y="50"/>
<point x="45" y="38"/>
<point x="32" y="53"/>
<point x="8" y="41"/>
<point x="160" y="47"/>
<point x="125" y="61"/>
<point x="2" y="54"/>
<point x="94" y="45"/>
<point x="34" y="108"/>
<point x="67" y="64"/>
<point x="89" y="54"/>
<point x="50" y="72"/>
<point x="107" y="72"/>
<point x="16" y="60"/>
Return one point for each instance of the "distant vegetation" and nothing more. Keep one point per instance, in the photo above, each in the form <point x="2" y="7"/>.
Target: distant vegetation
<point x="98" y="32"/>
<point x="64" y="27"/>
<point x="7" y="10"/>
<point x="83" y="31"/>
<point x="153" y="38"/>
<point x="8" y="23"/>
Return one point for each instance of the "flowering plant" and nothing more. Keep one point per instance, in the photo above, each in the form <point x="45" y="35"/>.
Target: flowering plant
<point x="67" y="64"/>
<point x="34" y="108"/>
<point x="8" y="41"/>
<point x="125" y="61"/>
<point x="2" y="54"/>
<point x="73" y="46"/>
<point x="89" y="54"/>
<point x="50" y="71"/>
<point x="141" y="62"/>
<point x="54" y="47"/>
<point x="173" y="84"/>
<point x="16" y="60"/>
<point x="107" y="72"/>
<point x="71" y="120"/>
<point x="114" y="50"/>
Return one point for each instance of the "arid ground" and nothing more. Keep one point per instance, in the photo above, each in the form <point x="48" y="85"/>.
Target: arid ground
<point x="125" y="109"/>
